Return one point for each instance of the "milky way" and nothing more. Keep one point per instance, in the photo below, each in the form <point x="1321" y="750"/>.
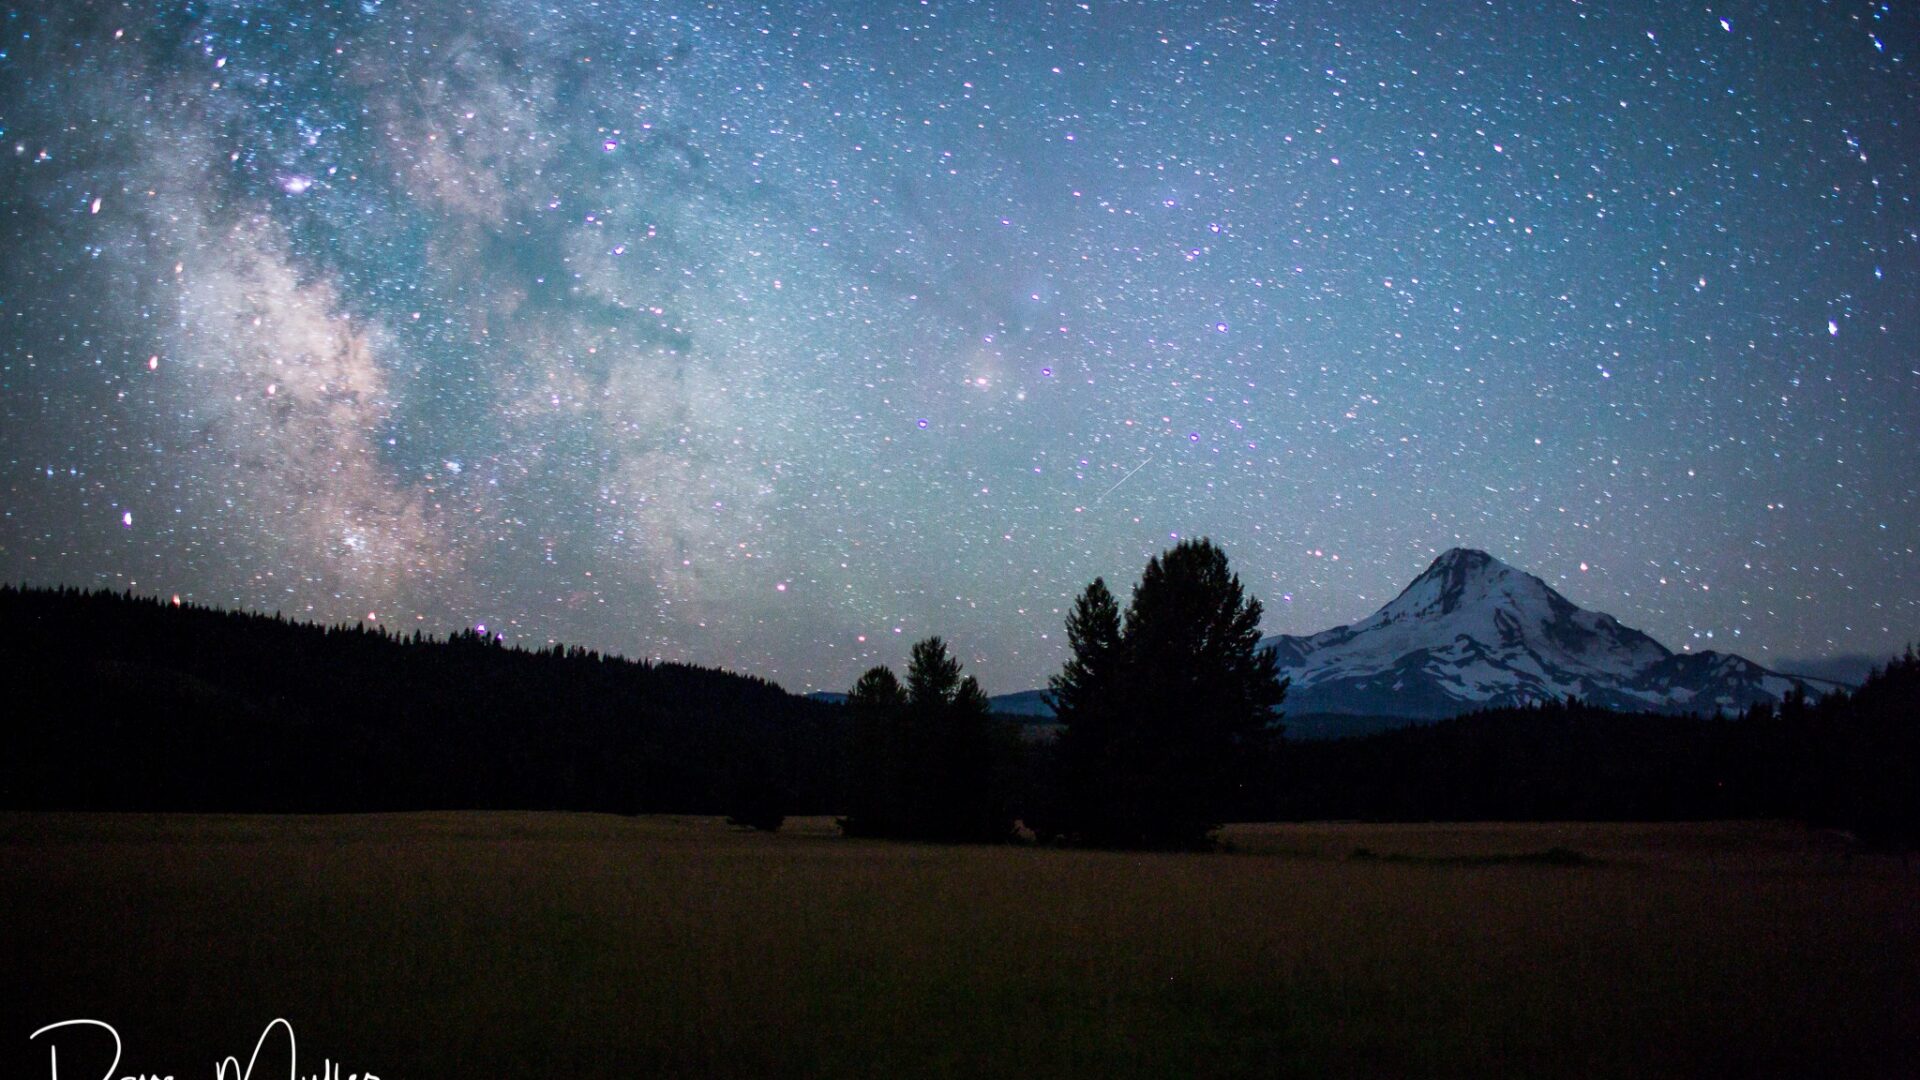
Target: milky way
<point x="775" y="338"/>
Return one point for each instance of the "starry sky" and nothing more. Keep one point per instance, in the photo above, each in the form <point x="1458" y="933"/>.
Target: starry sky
<point x="777" y="336"/>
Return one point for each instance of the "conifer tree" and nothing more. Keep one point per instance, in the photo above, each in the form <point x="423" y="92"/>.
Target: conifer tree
<point x="876" y="776"/>
<point x="1167" y="720"/>
<point x="1093" y="635"/>
<point x="1085" y="698"/>
<point x="926" y="754"/>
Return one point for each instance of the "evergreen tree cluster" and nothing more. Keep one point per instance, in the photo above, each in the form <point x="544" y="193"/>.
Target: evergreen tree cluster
<point x="1847" y="761"/>
<point x="928" y="759"/>
<point x="1167" y="714"/>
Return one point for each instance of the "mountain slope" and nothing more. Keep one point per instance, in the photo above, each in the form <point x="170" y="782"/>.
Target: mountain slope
<point x="1472" y="632"/>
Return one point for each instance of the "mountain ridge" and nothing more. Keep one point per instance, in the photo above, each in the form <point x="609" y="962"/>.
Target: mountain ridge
<point x="1471" y="632"/>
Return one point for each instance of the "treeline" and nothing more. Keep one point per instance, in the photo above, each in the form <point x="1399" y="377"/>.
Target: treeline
<point x="1846" y="761"/>
<point x="119" y="702"/>
<point x="1167" y="714"/>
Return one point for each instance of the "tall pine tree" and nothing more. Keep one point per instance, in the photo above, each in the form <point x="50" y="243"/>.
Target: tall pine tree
<point x="1168" y="717"/>
<point x="1085" y="698"/>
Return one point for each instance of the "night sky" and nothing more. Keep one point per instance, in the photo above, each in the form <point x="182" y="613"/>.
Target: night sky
<point x="776" y="337"/>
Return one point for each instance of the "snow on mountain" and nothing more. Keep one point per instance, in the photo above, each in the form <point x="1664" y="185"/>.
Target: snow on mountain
<point x="1472" y="632"/>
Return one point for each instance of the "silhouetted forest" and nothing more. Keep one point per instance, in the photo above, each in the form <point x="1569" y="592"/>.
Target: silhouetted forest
<point x="121" y="702"/>
<point x="1846" y="761"/>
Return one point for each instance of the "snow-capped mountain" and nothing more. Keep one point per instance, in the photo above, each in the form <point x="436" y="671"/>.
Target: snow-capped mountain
<point x="1472" y="632"/>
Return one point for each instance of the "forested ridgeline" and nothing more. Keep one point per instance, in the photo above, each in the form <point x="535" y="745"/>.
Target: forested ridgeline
<point x="122" y="702"/>
<point x="1849" y="760"/>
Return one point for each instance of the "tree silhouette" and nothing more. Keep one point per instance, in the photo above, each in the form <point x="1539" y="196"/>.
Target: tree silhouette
<point x="1093" y="633"/>
<point x="1168" y="718"/>
<point x="1085" y="698"/>
<point x="876" y="781"/>
<point x="927" y="755"/>
<point x="1866" y="750"/>
<point x="958" y="736"/>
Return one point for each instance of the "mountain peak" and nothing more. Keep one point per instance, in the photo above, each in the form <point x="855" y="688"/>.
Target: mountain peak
<point x="1473" y="632"/>
<point x="1459" y="565"/>
<point x="1463" y="576"/>
<point x="1468" y="558"/>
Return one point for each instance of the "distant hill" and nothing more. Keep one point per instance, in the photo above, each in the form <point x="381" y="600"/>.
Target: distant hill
<point x="1024" y="703"/>
<point x="1028" y="705"/>
<point x="122" y="702"/>
<point x="1847" y="669"/>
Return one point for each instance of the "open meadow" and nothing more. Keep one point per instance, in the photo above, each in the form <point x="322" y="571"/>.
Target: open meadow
<point x="562" y="945"/>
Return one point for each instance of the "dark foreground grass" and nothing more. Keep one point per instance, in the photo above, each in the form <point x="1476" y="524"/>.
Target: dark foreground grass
<point x="535" y="945"/>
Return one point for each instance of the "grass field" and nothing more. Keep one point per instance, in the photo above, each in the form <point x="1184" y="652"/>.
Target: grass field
<point x="553" y="945"/>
